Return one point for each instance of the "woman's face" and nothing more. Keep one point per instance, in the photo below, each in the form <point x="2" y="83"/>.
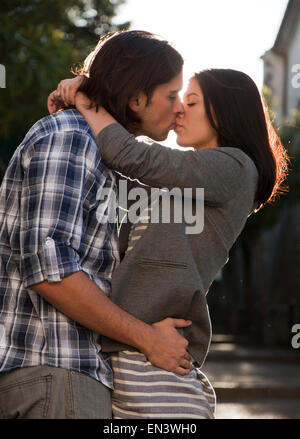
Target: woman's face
<point x="193" y="128"/>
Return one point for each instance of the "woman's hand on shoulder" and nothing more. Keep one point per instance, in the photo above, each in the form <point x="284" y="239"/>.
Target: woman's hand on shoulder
<point x="64" y="95"/>
<point x="67" y="94"/>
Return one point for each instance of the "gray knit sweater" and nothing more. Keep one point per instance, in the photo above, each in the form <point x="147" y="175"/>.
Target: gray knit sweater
<point x="168" y="272"/>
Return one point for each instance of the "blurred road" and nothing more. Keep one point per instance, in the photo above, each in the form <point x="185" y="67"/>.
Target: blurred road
<point x="260" y="409"/>
<point x="254" y="383"/>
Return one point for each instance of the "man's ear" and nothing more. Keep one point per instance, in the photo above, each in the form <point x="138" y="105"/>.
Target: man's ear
<point x="138" y="102"/>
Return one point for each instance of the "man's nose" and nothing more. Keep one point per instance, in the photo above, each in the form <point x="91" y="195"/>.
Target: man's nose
<point x="178" y="109"/>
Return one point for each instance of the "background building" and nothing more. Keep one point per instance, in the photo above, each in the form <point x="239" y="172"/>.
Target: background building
<point x="282" y="64"/>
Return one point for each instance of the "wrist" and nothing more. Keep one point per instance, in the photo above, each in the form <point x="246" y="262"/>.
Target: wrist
<point x="97" y="120"/>
<point x="145" y="340"/>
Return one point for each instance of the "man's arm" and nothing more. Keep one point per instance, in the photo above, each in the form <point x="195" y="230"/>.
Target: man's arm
<point x="62" y="175"/>
<point x="82" y="300"/>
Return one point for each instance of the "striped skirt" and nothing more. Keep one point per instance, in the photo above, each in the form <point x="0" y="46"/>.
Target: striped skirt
<point x="143" y="391"/>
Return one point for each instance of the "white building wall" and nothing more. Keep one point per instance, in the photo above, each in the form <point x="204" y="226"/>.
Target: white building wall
<point x="293" y="75"/>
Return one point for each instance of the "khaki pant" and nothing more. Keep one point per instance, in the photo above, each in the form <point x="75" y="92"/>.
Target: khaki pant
<point x="52" y="393"/>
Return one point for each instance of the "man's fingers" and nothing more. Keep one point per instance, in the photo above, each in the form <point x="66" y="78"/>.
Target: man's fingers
<point x="181" y="371"/>
<point x="185" y="364"/>
<point x="181" y="323"/>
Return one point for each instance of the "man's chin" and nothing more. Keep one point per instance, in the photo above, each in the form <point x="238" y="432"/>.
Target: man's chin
<point x="159" y="137"/>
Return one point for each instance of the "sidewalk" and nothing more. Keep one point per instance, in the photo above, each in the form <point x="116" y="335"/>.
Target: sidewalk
<point x="253" y="382"/>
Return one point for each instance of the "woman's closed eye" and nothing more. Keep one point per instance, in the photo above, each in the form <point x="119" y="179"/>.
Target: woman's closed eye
<point x="191" y="104"/>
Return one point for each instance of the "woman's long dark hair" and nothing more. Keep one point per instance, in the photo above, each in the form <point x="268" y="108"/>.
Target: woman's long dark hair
<point x="239" y="115"/>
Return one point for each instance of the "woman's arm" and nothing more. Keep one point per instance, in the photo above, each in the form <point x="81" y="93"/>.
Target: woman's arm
<point x="217" y="170"/>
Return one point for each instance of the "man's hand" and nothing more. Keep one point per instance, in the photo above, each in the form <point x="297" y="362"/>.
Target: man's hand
<point x="83" y="301"/>
<point x="64" y="95"/>
<point x="167" y="348"/>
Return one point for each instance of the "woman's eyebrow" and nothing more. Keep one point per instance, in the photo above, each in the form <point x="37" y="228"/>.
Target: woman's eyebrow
<point x="190" y="94"/>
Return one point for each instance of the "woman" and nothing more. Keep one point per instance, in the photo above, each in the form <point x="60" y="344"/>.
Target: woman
<point x="239" y="161"/>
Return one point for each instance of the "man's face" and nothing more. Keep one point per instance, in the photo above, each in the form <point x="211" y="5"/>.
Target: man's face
<point x="158" y="116"/>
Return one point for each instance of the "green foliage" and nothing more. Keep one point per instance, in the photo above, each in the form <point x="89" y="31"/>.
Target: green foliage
<point x="40" y="41"/>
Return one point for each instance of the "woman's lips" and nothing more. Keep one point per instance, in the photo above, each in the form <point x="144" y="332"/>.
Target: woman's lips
<point x="177" y="127"/>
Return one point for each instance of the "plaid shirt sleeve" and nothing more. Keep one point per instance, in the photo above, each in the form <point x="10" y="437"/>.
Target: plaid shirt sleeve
<point x="58" y="180"/>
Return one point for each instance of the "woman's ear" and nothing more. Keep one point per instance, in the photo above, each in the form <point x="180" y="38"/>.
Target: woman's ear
<point x="137" y="102"/>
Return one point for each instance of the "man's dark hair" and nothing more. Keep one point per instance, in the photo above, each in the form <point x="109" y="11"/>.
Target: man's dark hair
<point x="124" y="64"/>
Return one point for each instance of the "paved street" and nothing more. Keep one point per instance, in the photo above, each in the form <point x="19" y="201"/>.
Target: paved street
<point x="254" y="383"/>
<point x="282" y="408"/>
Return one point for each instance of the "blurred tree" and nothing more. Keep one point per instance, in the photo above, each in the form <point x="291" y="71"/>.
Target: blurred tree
<point x="40" y="40"/>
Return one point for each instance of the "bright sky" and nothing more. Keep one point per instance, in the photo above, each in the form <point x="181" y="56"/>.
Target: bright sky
<point x="211" y="33"/>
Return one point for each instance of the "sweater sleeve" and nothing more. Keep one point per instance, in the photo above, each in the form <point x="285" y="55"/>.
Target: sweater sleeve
<point x="218" y="170"/>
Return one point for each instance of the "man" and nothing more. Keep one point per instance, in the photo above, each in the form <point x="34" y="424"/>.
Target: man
<point x="57" y="256"/>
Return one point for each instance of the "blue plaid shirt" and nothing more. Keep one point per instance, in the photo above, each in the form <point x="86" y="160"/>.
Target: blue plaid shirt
<point x="50" y="227"/>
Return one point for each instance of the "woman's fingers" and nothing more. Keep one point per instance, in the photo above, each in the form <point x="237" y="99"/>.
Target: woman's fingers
<point x="65" y="94"/>
<point x="74" y="87"/>
<point x="51" y="104"/>
<point x="54" y="103"/>
<point x="61" y="91"/>
<point x="67" y="89"/>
